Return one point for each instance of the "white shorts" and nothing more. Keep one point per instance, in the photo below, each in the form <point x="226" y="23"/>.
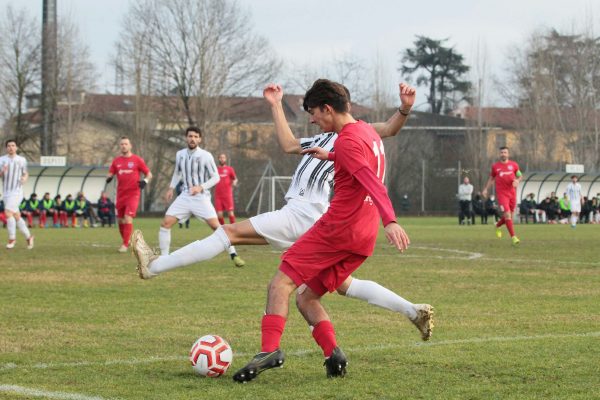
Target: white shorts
<point x="12" y="201"/>
<point x="186" y="205"/>
<point x="283" y="227"/>
<point x="576" y="206"/>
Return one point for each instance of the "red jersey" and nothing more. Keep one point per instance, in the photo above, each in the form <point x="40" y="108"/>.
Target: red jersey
<point x="227" y="175"/>
<point x="352" y="221"/>
<point x="127" y="170"/>
<point x="505" y="174"/>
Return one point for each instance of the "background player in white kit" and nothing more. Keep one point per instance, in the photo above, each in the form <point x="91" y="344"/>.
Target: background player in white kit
<point x="307" y="199"/>
<point x="576" y="199"/>
<point x="13" y="169"/>
<point x="197" y="170"/>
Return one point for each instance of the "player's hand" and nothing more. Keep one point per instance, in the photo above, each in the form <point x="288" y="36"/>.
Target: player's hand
<point x="196" y="189"/>
<point x="142" y="184"/>
<point x="273" y="93"/>
<point x="515" y="183"/>
<point x="484" y="193"/>
<point x="169" y="195"/>
<point x="395" y="235"/>
<point x="408" y="95"/>
<point x="317" y="152"/>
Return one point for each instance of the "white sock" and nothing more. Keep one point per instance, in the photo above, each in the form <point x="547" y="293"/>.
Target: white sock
<point x="376" y="294"/>
<point x="573" y="220"/>
<point x="23" y="228"/>
<point x="231" y="250"/>
<point x="200" y="250"/>
<point x="11" y="226"/>
<point x="164" y="240"/>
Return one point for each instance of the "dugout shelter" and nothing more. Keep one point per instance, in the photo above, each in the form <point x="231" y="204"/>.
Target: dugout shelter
<point x="541" y="184"/>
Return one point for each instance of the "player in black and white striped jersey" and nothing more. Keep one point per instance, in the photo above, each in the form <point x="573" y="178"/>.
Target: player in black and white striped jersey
<point x="197" y="170"/>
<point x="307" y="199"/>
<point x="13" y="169"/>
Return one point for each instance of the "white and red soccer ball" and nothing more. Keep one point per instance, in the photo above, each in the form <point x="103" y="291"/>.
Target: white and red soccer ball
<point x="211" y="355"/>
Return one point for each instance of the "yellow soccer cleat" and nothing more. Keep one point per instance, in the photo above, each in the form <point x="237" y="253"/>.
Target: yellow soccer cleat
<point x="498" y="233"/>
<point x="515" y="240"/>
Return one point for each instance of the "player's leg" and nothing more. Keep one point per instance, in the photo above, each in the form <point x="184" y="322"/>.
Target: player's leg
<point x="24" y="229"/>
<point x="273" y="322"/>
<point x="220" y="217"/>
<point x="11" y="227"/>
<point x="219" y="208"/>
<point x="237" y="260"/>
<point x="164" y="233"/>
<point x="231" y="216"/>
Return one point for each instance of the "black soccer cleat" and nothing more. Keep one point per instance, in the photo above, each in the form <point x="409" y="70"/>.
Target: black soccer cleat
<point x="336" y="364"/>
<point x="261" y="362"/>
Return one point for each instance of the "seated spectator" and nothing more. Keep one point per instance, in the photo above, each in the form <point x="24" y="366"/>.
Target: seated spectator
<point x="594" y="211"/>
<point x="69" y="208"/>
<point x="59" y="205"/>
<point x="47" y="207"/>
<point x="84" y="210"/>
<point x="30" y="208"/>
<point x="2" y="213"/>
<point x="491" y="208"/>
<point x="479" y="207"/>
<point x="529" y="208"/>
<point x="550" y="209"/>
<point x="564" y="205"/>
<point x="106" y="210"/>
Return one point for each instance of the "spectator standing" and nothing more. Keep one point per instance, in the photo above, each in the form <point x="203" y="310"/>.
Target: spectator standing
<point x="465" y="193"/>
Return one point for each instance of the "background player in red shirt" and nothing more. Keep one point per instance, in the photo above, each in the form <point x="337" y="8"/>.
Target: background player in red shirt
<point x="224" y="190"/>
<point x="342" y="238"/>
<point x="127" y="168"/>
<point x="507" y="175"/>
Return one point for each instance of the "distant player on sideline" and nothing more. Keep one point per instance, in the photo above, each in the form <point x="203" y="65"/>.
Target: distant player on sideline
<point x="13" y="169"/>
<point x="576" y="199"/>
<point x="127" y="168"/>
<point x="224" y="190"/>
<point x="507" y="175"/>
<point x="307" y="199"/>
<point x="196" y="168"/>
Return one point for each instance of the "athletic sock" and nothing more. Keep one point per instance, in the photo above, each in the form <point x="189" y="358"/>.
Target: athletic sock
<point x="22" y="226"/>
<point x="11" y="226"/>
<point x="232" y="219"/>
<point x="500" y="222"/>
<point x="200" y="250"/>
<point x="221" y="220"/>
<point x="43" y="219"/>
<point x="324" y="335"/>
<point x="127" y="229"/>
<point x="510" y="227"/>
<point x="231" y="251"/>
<point x="375" y="294"/>
<point x="272" y="326"/>
<point x="164" y="240"/>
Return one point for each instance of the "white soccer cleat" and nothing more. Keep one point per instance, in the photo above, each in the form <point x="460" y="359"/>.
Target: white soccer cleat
<point x="144" y="254"/>
<point x="424" y="320"/>
<point x="30" y="243"/>
<point x="11" y="243"/>
<point x="123" y="249"/>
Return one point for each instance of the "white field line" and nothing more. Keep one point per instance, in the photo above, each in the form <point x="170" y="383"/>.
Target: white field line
<point x="29" y="392"/>
<point x="361" y="349"/>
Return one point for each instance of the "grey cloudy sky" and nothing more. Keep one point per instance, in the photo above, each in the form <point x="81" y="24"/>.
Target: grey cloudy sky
<point x="311" y="31"/>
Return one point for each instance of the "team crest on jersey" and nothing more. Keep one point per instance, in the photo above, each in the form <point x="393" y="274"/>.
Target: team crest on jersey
<point x="130" y="164"/>
<point x="510" y="167"/>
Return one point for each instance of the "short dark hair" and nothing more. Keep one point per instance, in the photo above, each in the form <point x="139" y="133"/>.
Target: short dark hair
<point x="193" y="129"/>
<point x="503" y="148"/>
<point x="325" y="92"/>
<point x="574" y="176"/>
<point x="9" y="141"/>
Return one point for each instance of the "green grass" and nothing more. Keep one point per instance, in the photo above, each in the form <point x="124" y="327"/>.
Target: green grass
<point x="511" y="323"/>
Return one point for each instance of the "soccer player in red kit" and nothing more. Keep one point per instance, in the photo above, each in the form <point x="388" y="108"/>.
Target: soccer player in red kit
<point x="340" y="240"/>
<point x="224" y="190"/>
<point x="127" y="168"/>
<point x="507" y="175"/>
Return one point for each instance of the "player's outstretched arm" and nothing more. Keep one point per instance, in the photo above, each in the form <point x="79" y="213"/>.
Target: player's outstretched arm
<point x="288" y="142"/>
<point x="393" y="125"/>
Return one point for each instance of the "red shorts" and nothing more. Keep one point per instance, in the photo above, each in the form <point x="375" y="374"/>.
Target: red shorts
<point x="507" y="203"/>
<point x="318" y="265"/>
<point x="223" y="203"/>
<point x="127" y="206"/>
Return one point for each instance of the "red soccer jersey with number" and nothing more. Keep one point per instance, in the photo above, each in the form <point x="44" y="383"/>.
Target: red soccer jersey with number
<point x="352" y="221"/>
<point x="505" y="174"/>
<point x="227" y="175"/>
<point x="127" y="170"/>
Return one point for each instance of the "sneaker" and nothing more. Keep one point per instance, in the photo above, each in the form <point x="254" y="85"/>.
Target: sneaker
<point x="30" y="243"/>
<point x="261" y="362"/>
<point x="515" y="240"/>
<point x="123" y="249"/>
<point x="498" y="233"/>
<point x="11" y="243"/>
<point x="238" y="261"/>
<point x="336" y="364"/>
<point x="424" y="320"/>
<point x="144" y="254"/>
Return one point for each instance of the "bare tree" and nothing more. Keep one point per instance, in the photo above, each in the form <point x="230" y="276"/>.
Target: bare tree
<point x="20" y="52"/>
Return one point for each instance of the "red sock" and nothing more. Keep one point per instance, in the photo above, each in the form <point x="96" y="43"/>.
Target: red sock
<point x="127" y="229"/>
<point x="43" y="219"/>
<point x="509" y="226"/>
<point x="272" y="326"/>
<point x="30" y="220"/>
<point x="64" y="219"/>
<point x="500" y="222"/>
<point x="73" y="220"/>
<point x="221" y="220"/>
<point x="55" y="218"/>
<point x="232" y="219"/>
<point x="324" y="335"/>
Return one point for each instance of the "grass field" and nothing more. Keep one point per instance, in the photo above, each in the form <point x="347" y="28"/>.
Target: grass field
<point x="511" y="323"/>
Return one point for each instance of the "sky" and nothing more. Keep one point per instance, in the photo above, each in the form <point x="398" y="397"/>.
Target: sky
<point x="308" y="32"/>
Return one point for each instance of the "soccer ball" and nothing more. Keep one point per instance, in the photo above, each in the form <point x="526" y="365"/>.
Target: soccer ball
<point x="210" y="356"/>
